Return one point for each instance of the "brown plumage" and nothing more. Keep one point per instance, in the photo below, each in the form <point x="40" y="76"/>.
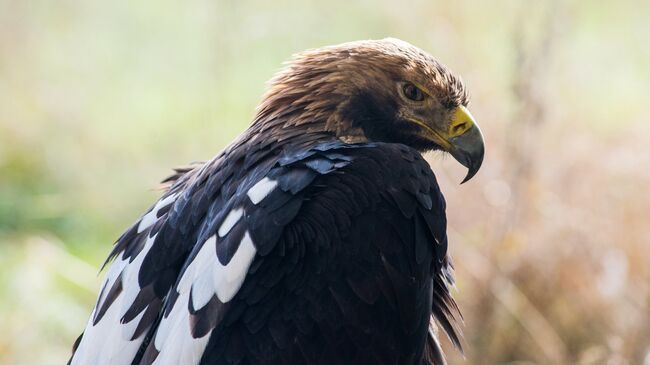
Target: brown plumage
<point x="317" y="86"/>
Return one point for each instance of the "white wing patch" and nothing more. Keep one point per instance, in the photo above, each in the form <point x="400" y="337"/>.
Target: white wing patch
<point x="110" y="341"/>
<point x="261" y="190"/>
<point x="174" y="339"/>
<point x="204" y="277"/>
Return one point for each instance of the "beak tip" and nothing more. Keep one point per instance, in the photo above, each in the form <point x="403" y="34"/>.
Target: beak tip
<point x="472" y="170"/>
<point x="469" y="150"/>
<point x="466" y="179"/>
<point x="471" y="160"/>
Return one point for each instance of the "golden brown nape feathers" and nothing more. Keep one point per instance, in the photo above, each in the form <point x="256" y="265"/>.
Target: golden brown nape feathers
<point x="377" y="90"/>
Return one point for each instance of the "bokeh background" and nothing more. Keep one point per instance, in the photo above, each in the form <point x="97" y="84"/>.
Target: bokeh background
<point x="99" y="99"/>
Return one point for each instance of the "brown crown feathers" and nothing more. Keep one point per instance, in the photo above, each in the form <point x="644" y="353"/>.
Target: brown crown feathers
<point x="353" y="90"/>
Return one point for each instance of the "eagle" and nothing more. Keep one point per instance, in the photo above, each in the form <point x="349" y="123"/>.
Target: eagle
<point x="318" y="236"/>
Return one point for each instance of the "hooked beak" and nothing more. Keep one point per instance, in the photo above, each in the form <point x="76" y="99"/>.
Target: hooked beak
<point x="463" y="140"/>
<point x="466" y="141"/>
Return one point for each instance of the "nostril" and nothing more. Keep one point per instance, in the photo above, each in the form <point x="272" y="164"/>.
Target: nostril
<point x="460" y="128"/>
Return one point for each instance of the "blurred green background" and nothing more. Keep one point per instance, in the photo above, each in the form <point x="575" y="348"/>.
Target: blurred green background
<point x="99" y="99"/>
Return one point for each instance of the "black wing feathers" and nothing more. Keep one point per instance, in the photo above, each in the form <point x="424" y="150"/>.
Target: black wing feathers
<point x="351" y="255"/>
<point x="354" y="272"/>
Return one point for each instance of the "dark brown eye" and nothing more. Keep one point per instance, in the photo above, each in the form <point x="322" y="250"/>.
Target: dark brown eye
<point x="413" y="92"/>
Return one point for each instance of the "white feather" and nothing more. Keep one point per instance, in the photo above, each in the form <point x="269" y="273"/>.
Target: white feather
<point x="202" y="289"/>
<point x="235" y="272"/>
<point x="260" y="190"/>
<point x="170" y="349"/>
<point x="130" y="284"/>
<point x="231" y="219"/>
<point x="166" y="324"/>
<point x="151" y="217"/>
<point x="128" y="328"/>
<point x="237" y="268"/>
<point x="109" y="341"/>
<point x="174" y="338"/>
<point x="225" y="280"/>
<point x="203" y="259"/>
<point x="204" y="277"/>
<point x="111" y="276"/>
<point x="103" y="343"/>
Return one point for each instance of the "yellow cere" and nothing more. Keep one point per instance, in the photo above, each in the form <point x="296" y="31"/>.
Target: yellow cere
<point x="461" y="122"/>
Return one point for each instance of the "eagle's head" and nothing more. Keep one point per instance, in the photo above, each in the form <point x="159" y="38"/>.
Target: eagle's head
<point x="379" y="90"/>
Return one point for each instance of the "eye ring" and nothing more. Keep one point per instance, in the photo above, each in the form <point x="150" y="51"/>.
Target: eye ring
<point x="412" y="92"/>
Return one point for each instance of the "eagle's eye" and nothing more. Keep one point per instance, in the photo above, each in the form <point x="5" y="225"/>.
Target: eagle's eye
<point x="412" y="92"/>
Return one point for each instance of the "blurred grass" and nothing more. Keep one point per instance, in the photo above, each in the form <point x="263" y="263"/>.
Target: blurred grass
<point x="99" y="99"/>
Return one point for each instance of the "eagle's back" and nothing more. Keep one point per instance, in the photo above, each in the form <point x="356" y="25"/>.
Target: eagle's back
<point x="313" y="252"/>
